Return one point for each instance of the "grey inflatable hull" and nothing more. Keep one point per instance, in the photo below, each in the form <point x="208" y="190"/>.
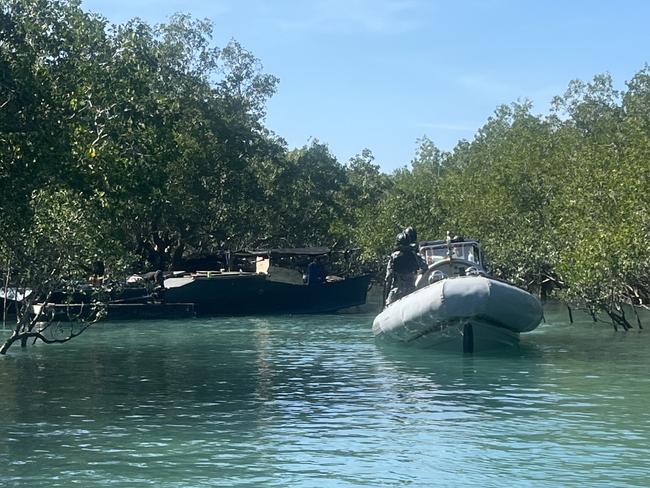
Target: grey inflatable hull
<point x="467" y="313"/>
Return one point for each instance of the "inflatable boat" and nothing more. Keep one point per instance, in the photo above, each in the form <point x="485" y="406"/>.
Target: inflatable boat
<point x="457" y="306"/>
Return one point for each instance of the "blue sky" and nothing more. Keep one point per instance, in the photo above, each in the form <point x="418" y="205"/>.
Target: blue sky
<point x="379" y="74"/>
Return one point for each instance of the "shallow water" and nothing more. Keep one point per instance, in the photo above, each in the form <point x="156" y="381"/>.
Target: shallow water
<point x="313" y="401"/>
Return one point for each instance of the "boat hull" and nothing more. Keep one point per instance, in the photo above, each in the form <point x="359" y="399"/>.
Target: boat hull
<point x="467" y="313"/>
<point x="220" y="294"/>
<point x="246" y="294"/>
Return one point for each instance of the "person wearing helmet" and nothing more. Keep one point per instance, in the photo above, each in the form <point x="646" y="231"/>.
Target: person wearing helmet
<point x="403" y="265"/>
<point x="411" y="235"/>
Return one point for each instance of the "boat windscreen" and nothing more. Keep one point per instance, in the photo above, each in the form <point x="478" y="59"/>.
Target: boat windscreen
<point x="468" y="251"/>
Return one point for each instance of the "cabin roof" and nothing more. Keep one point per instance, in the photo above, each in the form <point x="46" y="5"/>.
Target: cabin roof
<point x="298" y="251"/>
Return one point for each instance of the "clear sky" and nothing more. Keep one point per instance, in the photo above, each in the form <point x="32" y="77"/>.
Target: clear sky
<point x="379" y="74"/>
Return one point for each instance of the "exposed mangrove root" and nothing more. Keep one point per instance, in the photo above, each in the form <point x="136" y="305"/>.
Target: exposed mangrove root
<point x="638" y="319"/>
<point x="43" y="326"/>
<point x="618" y="318"/>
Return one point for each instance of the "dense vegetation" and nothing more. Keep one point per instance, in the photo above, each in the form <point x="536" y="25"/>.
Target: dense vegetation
<point x="138" y="145"/>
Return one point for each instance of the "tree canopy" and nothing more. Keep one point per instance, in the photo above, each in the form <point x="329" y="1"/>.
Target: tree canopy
<point x="137" y="145"/>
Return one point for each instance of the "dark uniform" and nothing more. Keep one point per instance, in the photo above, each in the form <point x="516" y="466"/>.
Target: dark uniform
<point x="403" y="265"/>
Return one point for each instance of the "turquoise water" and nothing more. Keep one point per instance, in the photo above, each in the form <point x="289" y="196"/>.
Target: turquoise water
<point x="312" y="401"/>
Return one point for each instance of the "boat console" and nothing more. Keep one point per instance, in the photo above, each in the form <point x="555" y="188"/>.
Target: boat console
<point x="451" y="257"/>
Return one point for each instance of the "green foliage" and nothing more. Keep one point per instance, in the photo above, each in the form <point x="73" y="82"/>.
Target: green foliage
<point x="313" y="179"/>
<point x="136" y="144"/>
<point x="559" y="202"/>
<point x="158" y="130"/>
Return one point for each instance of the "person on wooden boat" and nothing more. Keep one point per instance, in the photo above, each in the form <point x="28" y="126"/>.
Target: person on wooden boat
<point x="98" y="270"/>
<point x="403" y="265"/>
<point x="315" y="272"/>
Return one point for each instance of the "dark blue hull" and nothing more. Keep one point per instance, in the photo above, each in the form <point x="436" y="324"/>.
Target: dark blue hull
<point x="251" y="294"/>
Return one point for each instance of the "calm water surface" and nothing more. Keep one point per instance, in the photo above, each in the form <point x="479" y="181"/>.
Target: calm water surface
<point x="311" y="401"/>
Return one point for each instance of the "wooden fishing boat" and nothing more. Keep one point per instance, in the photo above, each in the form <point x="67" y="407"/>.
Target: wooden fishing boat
<point x="271" y="288"/>
<point x="264" y="285"/>
<point x="457" y="305"/>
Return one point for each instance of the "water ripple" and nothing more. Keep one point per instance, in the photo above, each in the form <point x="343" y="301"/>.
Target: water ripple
<point x="310" y="401"/>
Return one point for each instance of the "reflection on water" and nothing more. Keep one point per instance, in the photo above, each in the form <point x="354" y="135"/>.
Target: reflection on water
<point x="307" y="401"/>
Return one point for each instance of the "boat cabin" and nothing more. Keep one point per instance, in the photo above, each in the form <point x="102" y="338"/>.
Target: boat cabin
<point x="286" y="265"/>
<point x="452" y="257"/>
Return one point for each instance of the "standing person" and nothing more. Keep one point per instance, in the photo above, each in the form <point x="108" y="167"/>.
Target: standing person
<point x="412" y="239"/>
<point x="411" y="236"/>
<point x="403" y="265"/>
<point x="98" y="270"/>
<point x="315" y="272"/>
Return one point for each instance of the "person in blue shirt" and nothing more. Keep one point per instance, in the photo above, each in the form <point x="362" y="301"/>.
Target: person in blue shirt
<point x="315" y="272"/>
